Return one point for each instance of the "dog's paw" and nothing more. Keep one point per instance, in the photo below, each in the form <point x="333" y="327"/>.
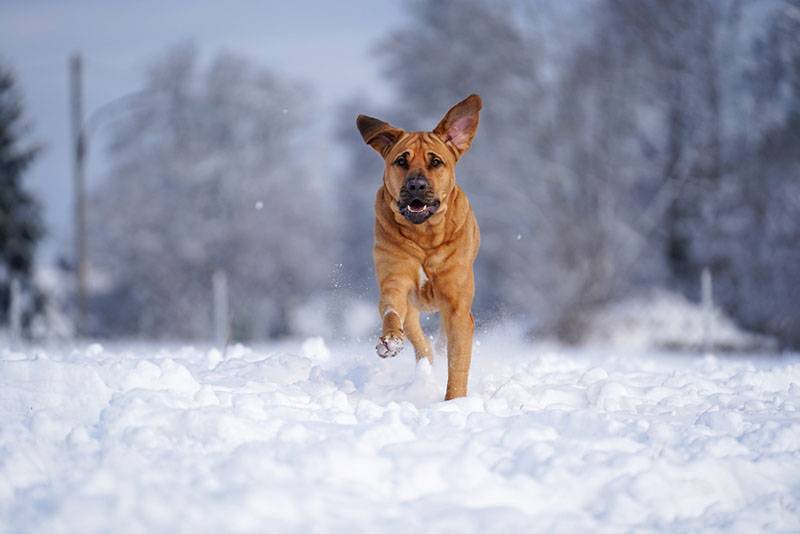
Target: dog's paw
<point x="389" y="346"/>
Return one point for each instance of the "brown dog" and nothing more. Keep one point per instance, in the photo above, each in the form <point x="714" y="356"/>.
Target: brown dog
<point x="426" y="237"/>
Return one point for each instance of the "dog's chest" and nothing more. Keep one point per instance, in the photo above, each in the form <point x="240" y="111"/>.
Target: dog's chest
<point x="436" y="260"/>
<point x="427" y="240"/>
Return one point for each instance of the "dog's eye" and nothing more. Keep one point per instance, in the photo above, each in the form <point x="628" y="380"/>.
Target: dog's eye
<point x="401" y="161"/>
<point x="435" y="162"/>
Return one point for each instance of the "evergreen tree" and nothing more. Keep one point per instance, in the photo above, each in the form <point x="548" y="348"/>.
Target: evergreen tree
<point x="20" y="214"/>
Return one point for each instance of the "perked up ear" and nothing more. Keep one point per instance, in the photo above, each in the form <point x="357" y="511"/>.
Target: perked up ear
<point x="378" y="134"/>
<point x="459" y="125"/>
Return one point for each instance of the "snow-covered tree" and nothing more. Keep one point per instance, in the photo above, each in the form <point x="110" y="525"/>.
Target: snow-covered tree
<point x="724" y="75"/>
<point x="556" y="216"/>
<point x="754" y="244"/>
<point x="622" y="145"/>
<point x="207" y="174"/>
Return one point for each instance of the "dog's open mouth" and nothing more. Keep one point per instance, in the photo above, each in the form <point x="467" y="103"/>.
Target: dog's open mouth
<point x="417" y="206"/>
<point x="417" y="210"/>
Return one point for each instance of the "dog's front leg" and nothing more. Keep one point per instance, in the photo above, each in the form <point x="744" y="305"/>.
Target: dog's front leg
<point x="459" y="326"/>
<point x="393" y="309"/>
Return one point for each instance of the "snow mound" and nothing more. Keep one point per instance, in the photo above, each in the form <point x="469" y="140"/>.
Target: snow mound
<point x="307" y="437"/>
<point x="38" y="385"/>
<point x="665" y="320"/>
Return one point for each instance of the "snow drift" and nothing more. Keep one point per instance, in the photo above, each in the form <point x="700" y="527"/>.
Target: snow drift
<point x="309" y="438"/>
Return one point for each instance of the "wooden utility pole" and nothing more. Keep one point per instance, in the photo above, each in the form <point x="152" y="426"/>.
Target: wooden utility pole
<point x="79" y="187"/>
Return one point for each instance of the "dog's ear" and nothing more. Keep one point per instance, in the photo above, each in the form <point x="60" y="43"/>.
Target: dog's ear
<point x="378" y="134"/>
<point x="459" y="125"/>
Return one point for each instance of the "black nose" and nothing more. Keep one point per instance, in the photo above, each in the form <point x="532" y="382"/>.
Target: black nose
<point x="417" y="184"/>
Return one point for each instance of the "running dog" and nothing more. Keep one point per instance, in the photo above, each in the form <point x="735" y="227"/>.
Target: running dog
<point x="426" y="237"/>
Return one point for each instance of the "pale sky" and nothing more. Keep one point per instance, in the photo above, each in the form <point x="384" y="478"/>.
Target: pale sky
<point x="328" y="44"/>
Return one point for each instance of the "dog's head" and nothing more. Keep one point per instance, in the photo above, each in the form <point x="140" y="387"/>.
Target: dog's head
<point x="420" y="166"/>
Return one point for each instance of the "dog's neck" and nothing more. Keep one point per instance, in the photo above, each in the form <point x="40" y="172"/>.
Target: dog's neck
<point x="442" y="227"/>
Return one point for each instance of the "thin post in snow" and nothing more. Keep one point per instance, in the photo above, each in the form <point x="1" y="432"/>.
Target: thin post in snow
<point x="79" y="141"/>
<point x="708" y="309"/>
<point x="219" y="283"/>
<point x="15" y="311"/>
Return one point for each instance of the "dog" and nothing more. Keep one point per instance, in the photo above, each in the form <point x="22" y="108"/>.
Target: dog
<point x="426" y="237"/>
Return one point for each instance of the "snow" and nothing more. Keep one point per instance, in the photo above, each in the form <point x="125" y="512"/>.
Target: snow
<point x="314" y="436"/>
<point x="661" y="319"/>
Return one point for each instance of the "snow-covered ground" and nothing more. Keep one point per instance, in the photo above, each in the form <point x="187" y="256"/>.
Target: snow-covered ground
<point x="305" y="437"/>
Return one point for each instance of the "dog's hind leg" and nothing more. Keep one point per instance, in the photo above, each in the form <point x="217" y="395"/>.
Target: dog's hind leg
<point x="414" y="332"/>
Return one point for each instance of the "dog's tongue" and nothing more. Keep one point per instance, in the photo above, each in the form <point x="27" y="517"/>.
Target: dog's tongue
<point x="416" y="206"/>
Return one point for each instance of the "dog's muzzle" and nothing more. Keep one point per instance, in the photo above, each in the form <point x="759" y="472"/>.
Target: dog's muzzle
<point x="417" y="201"/>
